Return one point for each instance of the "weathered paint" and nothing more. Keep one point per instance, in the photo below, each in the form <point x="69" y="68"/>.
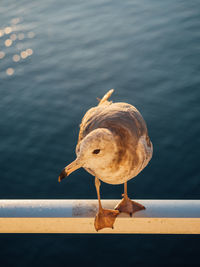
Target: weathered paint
<point x="77" y="216"/>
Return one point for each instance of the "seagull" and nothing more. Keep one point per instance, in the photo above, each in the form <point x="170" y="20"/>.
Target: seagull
<point x="113" y="146"/>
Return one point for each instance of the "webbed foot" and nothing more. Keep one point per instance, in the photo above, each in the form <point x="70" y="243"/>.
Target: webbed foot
<point x="129" y="206"/>
<point x="105" y="218"/>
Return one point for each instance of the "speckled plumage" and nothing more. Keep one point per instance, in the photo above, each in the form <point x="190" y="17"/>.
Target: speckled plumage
<point x="133" y="148"/>
<point x="114" y="146"/>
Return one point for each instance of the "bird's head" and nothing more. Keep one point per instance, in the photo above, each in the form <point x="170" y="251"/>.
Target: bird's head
<point x="95" y="152"/>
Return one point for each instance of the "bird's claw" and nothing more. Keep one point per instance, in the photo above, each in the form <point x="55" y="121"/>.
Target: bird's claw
<point x="105" y="218"/>
<point x="128" y="206"/>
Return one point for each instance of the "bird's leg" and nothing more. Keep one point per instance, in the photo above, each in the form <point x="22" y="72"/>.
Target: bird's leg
<point x="127" y="205"/>
<point x="105" y="217"/>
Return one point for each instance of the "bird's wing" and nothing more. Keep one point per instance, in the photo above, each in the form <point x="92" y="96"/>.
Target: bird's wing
<point x="104" y="100"/>
<point x="120" y="118"/>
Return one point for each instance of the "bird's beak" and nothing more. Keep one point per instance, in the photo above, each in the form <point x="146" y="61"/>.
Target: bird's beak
<point x="69" y="169"/>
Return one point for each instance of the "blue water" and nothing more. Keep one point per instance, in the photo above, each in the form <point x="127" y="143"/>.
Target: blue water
<point x="149" y="52"/>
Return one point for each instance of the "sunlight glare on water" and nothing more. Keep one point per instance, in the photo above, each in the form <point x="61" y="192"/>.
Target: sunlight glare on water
<point x="15" y="36"/>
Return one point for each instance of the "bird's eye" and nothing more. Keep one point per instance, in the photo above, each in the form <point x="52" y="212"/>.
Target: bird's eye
<point x="96" y="151"/>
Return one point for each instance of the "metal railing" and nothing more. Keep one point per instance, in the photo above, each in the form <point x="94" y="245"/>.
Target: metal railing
<point x="77" y="216"/>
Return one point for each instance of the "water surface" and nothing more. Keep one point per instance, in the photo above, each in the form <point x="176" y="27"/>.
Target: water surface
<point x="60" y="57"/>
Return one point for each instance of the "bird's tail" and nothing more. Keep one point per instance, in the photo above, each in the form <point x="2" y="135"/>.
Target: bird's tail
<point x="105" y="97"/>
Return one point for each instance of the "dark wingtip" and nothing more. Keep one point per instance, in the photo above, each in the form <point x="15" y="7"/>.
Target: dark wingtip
<point x="62" y="175"/>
